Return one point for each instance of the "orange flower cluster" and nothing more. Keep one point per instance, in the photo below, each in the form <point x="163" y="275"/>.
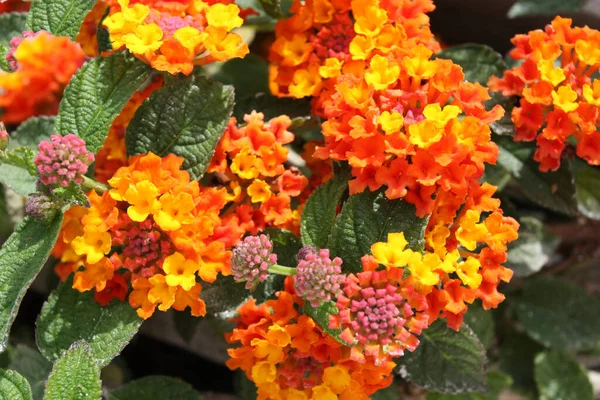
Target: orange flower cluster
<point x="411" y="124"/>
<point x="288" y="356"/>
<point x="164" y="226"/>
<point x="250" y="161"/>
<point x="43" y="65"/>
<point x="324" y="39"/>
<point x="471" y="234"/>
<point x="559" y="93"/>
<point x="174" y="36"/>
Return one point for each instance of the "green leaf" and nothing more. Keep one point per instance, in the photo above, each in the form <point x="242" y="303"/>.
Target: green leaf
<point x="75" y="376"/>
<point x="478" y="61"/>
<point x="224" y="296"/>
<point x="321" y="316"/>
<point x="248" y="75"/>
<point x="21" y="157"/>
<point x="559" y="314"/>
<point x="21" y="259"/>
<point x="544" y="7"/>
<point x="69" y="316"/>
<point x="318" y="215"/>
<point x="391" y="392"/>
<point x="587" y="188"/>
<point x="155" y="388"/>
<point x="285" y="244"/>
<point x="59" y="17"/>
<point x="31" y="132"/>
<point x="272" y="8"/>
<point x="270" y="106"/>
<point x="554" y="189"/>
<point x="497" y="383"/>
<point x="97" y="94"/>
<point x="517" y="352"/>
<point x="533" y="249"/>
<point x="481" y="323"/>
<point x="367" y="218"/>
<point x="4" y="65"/>
<point x="102" y="35"/>
<point x="446" y="361"/>
<point x="11" y="25"/>
<point x="32" y="365"/>
<point x="186" y="117"/>
<point x="560" y="377"/>
<point x="18" y="179"/>
<point x="13" y="386"/>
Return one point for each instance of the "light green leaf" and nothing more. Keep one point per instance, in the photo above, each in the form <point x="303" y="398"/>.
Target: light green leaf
<point x="587" y="188"/>
<point x="367" y="218"/>
<point x="319" y="213"/>
<point x="97" y="94"/>
<point x="69" y="316"/>
<point x="11" y="25"/>
<point x="18" y="179"/>
<point x="4" y="65"/>
<point x="544" y="7"/>
<point x="75" y="376"/>
<point x="155" y="388"/>
<point x="31" y="132"/>
<point x="32" y="365"/>
<point x="559" y="314"/>
<point x="533" y="249"/>
<point x="13" y="386"/>
<point x="497" y="383"/>
<point x="59" y="17"/>
<point x="446" y="361"/>
<point x="481" y="323"/>
<point x="21" y="259"/>
<point x="560" y="377"/>
<point x="554" y="189"/>
<point x="186" y="117"/>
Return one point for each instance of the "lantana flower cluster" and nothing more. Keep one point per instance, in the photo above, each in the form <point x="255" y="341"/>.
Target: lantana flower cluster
<point x="175" y="36"/>
<point x="558" y="90"/>
<point x="324" y="39"/>
<point x="288" y="356"/>
<point x="42" y="65"/>
<point x="153" y="230"/>
<point x="412" y="125"/>
<point x="250" y="161"/>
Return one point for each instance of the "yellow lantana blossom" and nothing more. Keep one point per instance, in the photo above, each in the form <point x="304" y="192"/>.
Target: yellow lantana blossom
<point x="392" y="253"/>
<point x="94" y="244"/>
<point x="174" y="211"/>
<point x="142" y="198"/>
<point x="390" y="122"/>
<point x="224" y="16"/>
<point x="565" y="98"/>
<point x="180" y="271"/>
<point x="380" y="74"/>
<point x="259" y="191"/>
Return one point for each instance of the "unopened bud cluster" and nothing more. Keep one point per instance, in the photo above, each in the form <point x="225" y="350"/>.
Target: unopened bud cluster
<point x="63" y="159"/>
<point x="318" y="278"/>
<point x="251" y="260"/>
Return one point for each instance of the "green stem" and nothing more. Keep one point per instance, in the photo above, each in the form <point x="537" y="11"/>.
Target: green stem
<point x="89" y="184"/>
<point x="281" y="270"/>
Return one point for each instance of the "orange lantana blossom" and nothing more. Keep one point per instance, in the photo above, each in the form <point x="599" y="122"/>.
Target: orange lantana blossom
<point x="288" y="356"/>
<point x="154" y="229"/>
<point x="412" y="125"/>
<point x="324" y="39"/>
<point x="250" y="161"/>
<point x="559" y="94"/>
<point x="42" y="65"/>
<point x="174" y="36"/>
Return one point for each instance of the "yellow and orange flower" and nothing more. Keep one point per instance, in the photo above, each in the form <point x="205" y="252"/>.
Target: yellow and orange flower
<point x="175" y="36"/>
<point x="324" y="39"/>
<point x="559" y="93"/>
<point x="288" y="356"/>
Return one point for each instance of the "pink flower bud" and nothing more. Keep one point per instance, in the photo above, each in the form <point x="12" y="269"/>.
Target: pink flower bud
<point x="251" y="260"/>
<point x="62" y="160"/>
<point x="319" y="279"/>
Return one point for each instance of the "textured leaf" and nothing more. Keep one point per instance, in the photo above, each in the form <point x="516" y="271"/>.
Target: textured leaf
<point x="69" y="316"/>
<point x="285" y="244"/>
<point x="517" y="352"/>
<point x="272" y="8"/>
<point x="32" y="365"/>
<point x="4" y="65"/>
<point x="11" y="25"/>
<point x="31" y="132"/>
<point x="446" y="361"/>
<point x="367" y="218"/>
<point x="560" y="377"/>
<point x="59" y="17"/>
<point x="319" y="213"/>
<point x="75" y="376"/>
<point x="97" y="94"/>
<point x="559" y="314"/>
<point x="155" y="388"/>
<point x="187" y="117"/>
<point x="478" y="61"/>
<point x="549" y="7"/>
<point x="248" y="76"/>
<point x="481" y="323"/>
<point x="270" y="106"/>
<point x="13" y="386"/>
<point x="321" y="316"/>
<point x="554" y="190"/>
<point x="18" y="179"/>
<point x="21" y="259"/>
<point x="533" y="249"/>
<point x="587" y="189"/>
<point x="497" y="383"/>
<point x="224" y="295"/>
